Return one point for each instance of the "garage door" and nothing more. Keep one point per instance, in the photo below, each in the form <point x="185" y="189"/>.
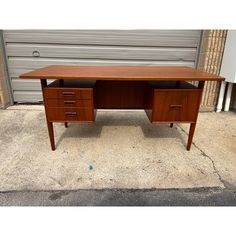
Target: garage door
<point x="27" y="50"/>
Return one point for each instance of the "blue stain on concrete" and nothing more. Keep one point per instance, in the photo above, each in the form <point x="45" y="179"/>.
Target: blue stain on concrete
<point x="90" y="167"/>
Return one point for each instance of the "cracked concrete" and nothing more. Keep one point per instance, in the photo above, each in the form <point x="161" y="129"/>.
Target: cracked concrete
<point x="204" y="154"/>
<point x="124" y="149"/>
<point x="215" y="136"/>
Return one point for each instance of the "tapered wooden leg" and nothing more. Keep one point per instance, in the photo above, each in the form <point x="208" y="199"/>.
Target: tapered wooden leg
<point x="190" y="135"/>
<point x="66" y="124"/>
<point x="51" y="135"/>
<point x="171" y="125"/>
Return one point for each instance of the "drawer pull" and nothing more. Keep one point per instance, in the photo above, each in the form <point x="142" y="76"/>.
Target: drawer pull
<point x="176" y="107"/>
<point x="69" y="102"/>
<point x="68" y="93"/>
<point x="72" y="113"/>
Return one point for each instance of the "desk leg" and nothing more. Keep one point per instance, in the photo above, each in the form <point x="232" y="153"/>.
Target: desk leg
<point x="190" y="135"/>
<point x="66" y="124"/>
<point x="61" y="82"/>
<point x="51" y="135"/>
<point x="171" y="125"/>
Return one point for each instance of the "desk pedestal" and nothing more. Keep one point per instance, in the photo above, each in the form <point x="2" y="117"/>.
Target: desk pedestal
<point x="163" y="102"/>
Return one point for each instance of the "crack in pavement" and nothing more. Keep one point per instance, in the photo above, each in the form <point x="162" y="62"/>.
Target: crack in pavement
<point x="55" y="180"/>
<point x="205" y="155"/>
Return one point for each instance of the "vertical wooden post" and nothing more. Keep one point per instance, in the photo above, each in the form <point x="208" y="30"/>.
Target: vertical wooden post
<point x="193" y="125"/>
<point x="51" y="135"/>
<point x="190" y="135"/>
<point x="43" y="84"/>
<point x="201" y="84"/>
<point x="61" y="82"/>
<point x="49" y="124"/>
<point x="177" y="84"/>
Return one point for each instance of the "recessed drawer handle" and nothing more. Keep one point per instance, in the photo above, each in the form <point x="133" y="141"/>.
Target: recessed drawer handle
<point x="72" y="113"/>
<point x="176" y="106"/>
<point x="69" y="102"/>
<point x="68" y="93"/>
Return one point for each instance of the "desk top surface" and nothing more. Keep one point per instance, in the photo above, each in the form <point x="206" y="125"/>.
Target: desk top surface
<point x="120" y="73"/>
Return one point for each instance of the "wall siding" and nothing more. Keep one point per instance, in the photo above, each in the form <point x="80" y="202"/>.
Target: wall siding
<point x="31" y="49"/>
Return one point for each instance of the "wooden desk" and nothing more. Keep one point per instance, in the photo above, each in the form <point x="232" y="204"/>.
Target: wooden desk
<point x="163" y="92"/>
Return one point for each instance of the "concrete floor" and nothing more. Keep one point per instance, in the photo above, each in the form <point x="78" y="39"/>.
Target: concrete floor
<point x="120" y="160"/>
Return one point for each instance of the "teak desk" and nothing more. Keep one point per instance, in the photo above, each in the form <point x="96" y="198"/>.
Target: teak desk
<point x="162" y="92"/>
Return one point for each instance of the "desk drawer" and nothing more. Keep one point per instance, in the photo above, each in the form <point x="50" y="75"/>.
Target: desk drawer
<point x="70" y="114"/>
<point x="69" y="93"/>
<point x="177" y="105"/>
<point x="85" y="103"/>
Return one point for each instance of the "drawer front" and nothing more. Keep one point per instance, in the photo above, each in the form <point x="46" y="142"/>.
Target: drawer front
<point x="52" y="102"/>
<point x="175" y="105"/>
<point x="69" y="93"/>
<point x="70" y="114"/>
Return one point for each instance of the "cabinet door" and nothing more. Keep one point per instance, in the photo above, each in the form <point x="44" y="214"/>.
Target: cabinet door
<point x="175" y="105"/>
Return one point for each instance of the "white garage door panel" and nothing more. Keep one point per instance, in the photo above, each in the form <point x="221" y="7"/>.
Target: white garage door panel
<point x="101" y="52"/>
<point x="28" y="96"/>
<point x="179" y="38"/>
<point x="26" y="85"/>
<point x="32" y="84"/>
<point x="18" y="66"/>
<point x="93" y="47"/>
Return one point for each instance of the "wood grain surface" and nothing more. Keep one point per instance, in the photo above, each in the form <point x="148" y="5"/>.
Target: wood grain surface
<point x="121" y="73"/>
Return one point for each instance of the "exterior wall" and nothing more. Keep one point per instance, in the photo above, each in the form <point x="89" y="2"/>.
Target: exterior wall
<point x="4" y="95"/>
<point x="210" y="58"/>
<point x="28" y="50"/>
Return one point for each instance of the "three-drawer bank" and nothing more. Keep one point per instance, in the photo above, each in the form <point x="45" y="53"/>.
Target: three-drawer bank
<point x="68" y="104"/>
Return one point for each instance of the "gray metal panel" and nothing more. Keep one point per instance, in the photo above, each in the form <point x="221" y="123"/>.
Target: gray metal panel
<point x="180" y="38"/>
<point x="93" y="47"/>
<point x="26" y="84"/>
<point x="18" y="66"/>
<point x="101" y="52"/>
<point x="33" y="84"/>
<point x="28" y="96"/>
